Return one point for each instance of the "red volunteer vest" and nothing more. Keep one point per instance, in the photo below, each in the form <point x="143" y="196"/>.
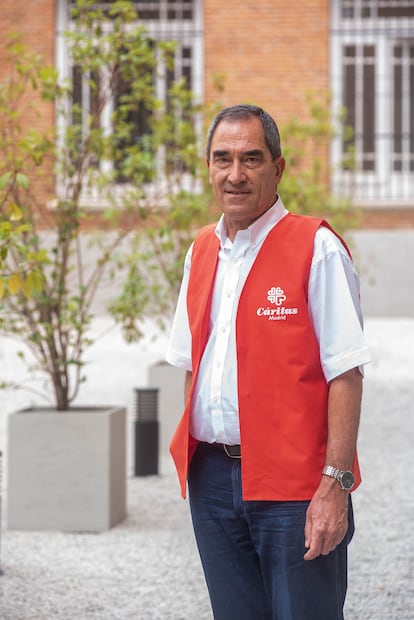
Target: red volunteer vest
<point x="282" y="391"/>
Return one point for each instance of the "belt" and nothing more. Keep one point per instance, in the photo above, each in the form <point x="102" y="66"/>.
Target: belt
<point x="233" y="452"/>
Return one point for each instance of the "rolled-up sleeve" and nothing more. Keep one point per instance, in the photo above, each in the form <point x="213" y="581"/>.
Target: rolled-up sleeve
<point x="334" y="305"/>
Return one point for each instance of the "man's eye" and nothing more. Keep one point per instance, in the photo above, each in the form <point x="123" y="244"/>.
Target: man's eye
<point x="252" y="159"/>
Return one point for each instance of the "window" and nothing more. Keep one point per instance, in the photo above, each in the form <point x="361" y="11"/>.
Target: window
<point x="171" y="10"/>
<point x="367" y="9"/>
<point x="359" y="102"/>
<point x="372" y="77"/>
<point x="403" y="107"/>
<point x="165" y="20"/>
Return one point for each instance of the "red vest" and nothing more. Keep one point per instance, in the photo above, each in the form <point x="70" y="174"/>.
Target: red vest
<point x="282" y="391"/>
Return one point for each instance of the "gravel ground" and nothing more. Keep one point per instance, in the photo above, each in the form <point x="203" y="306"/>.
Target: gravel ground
<point x="147" y="568"/>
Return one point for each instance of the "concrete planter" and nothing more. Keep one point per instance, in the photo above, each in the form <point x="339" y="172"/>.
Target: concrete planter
<point x="170" y="382"/>
<point x="67" y="470"/>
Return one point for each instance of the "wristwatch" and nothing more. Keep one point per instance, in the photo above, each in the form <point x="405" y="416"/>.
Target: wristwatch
<point x="345" y="478"/>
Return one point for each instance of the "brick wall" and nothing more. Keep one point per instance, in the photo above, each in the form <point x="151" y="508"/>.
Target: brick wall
<point x="269" y="52"/>
<point x="35" y="21"/>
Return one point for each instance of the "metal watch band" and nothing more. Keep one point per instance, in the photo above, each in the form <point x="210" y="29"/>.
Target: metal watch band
<point x="333" y="472"/>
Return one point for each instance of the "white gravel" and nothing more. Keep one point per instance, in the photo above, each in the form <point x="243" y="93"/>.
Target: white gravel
<point x="147" y="568"/>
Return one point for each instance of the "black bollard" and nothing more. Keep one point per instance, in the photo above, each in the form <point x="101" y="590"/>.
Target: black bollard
<point x="146" y="432"/>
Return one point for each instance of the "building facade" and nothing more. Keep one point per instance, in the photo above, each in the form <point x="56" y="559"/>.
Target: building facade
<point x="357" y="53"/>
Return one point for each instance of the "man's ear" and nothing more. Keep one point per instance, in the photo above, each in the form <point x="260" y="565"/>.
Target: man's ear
<point x="280" y="164"/>
<point x="208" y="168"/>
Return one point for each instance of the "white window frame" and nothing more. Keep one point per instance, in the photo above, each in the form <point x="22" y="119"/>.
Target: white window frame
<point x="384" y="187"/>
<point x="187" y="32"/>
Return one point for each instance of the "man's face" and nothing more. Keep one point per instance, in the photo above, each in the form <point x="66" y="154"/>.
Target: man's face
<point x="242" y="172"/>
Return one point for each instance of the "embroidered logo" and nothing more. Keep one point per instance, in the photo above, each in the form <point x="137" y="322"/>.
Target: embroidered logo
<point x="279" y="312"/>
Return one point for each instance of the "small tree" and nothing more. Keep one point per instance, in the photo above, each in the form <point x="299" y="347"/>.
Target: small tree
<point x="305" y="183"/>
<point x="115" y="60"/>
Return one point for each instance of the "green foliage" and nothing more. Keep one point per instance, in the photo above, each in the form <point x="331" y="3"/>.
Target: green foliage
<point x="304" y="186"/>
<point x="154" y="265"/>
<point x="133" y="174"/>
<point x="19" y="267"/>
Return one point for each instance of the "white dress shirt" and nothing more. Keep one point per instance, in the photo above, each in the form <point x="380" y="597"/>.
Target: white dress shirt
<point x="333" y="305"/>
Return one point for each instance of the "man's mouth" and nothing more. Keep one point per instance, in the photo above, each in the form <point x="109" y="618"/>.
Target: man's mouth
<point x="236" y="193"/>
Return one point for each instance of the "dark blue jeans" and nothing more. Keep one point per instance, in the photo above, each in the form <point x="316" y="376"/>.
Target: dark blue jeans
<point x="252" y="551"/>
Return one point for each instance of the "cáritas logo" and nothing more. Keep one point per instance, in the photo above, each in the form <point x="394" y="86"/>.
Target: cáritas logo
<point x="279" y="312"/>
<point x="276" y="295"/>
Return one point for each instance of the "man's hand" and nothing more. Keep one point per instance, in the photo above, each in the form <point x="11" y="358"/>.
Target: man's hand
<point x="327" y="514"/>
<point x="326" y="519"/>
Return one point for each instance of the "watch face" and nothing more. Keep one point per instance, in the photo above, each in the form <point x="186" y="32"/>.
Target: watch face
<point x="347" y="480"/>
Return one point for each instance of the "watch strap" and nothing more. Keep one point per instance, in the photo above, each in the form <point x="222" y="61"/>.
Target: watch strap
<point x="333" y="472"/>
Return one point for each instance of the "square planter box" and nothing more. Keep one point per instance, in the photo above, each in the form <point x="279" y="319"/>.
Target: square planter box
<point x="67" y="469"/>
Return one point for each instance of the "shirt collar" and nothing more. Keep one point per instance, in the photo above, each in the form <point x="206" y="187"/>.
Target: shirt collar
<point x="260" y="227"/>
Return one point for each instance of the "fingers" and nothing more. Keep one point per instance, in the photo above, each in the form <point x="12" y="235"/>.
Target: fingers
<point x="320" y="537"/>
<point x="326" y="523"/>
<point x="319" y="546"/>
<point x="321" y="543"/>
<point x="309" y="555"/>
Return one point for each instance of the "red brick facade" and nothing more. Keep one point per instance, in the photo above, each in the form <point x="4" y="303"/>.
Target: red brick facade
<point x="35" y="19"/>
<point x="35" y="22"/>
<point x="269" y="53"/>
<point x="273" y="53"/>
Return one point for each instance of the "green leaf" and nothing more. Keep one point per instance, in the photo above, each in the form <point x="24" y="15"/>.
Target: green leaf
<point x="5" y="179"/>
<point x="15" y="213"/>
<point x="22" y="180"/>
<point x="14" y="283"/>
<point x="35" y="282"/>
<point x="25" y="286"/>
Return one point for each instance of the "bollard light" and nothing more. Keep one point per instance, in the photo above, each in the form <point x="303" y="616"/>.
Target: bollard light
<point x="146" y="432"/>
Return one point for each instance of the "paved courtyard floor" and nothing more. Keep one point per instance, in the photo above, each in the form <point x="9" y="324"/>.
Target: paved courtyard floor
<point x="147" y="568"/>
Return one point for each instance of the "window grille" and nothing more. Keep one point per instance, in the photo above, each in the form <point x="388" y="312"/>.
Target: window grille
<point x="165" y="20"/>
<point x="368" y="9"/>
<point x="159" y="10"/>
<point x="372" y="78"/>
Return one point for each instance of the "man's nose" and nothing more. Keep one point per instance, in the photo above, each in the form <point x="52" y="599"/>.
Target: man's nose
<point x="236" y="173"/>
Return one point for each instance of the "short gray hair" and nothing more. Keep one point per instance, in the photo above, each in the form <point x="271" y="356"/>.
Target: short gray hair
<point x="246" y="112"/>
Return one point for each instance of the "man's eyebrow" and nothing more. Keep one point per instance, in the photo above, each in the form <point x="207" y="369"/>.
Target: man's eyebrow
<point x="250" y="153"/>
<point x="254" y="152"/>
<point x="220" y="153"/>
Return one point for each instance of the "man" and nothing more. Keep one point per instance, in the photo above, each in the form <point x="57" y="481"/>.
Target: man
<point x="268" y="327"/>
